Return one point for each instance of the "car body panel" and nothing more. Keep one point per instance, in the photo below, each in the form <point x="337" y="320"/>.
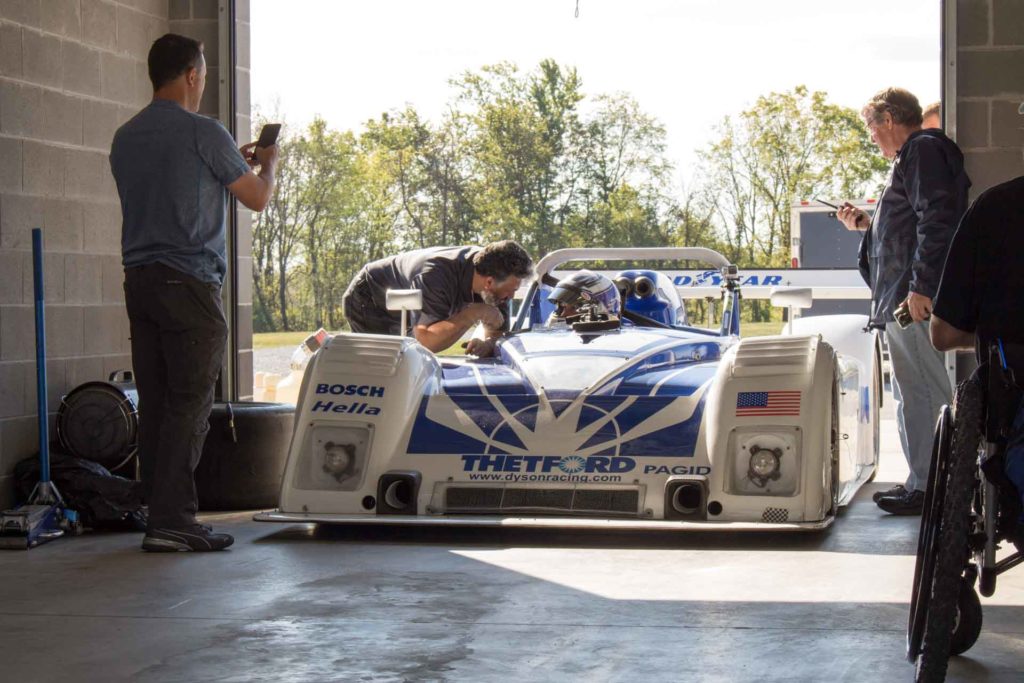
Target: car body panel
<point x="638" y="427"/>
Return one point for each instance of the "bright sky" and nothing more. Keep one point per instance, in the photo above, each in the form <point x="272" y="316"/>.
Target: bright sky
<point x="689" y="63"/>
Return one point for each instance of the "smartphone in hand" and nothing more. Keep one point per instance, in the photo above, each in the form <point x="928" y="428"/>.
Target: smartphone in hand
<point x="268" y="135"/>
<point x="267" y="138"/>
<point x="860" y="216"/>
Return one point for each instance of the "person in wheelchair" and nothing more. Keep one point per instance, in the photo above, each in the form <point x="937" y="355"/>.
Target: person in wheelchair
<point x="977" y="304"/>
<point x="966" y="515"/>
<point x="585" y="296"/>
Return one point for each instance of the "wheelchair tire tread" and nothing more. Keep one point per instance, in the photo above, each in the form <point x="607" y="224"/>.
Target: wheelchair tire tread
<point x="953" y="552"/>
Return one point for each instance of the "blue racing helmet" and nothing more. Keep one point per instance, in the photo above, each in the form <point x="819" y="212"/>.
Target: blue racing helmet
<point x="586" y="291"/>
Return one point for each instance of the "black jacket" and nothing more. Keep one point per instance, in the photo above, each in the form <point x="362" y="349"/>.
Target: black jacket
<point x="906" y="245"/>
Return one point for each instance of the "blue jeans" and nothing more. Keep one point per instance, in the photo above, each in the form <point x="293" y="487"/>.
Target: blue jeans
<point x="920" y="388"/>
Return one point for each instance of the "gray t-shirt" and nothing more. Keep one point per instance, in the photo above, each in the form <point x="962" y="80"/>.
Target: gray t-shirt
<point x="171" y="167"/>
<point x="443" y="274"/>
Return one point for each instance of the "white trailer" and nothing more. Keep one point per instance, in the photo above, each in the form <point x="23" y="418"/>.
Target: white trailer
<point x="819" y="241"/>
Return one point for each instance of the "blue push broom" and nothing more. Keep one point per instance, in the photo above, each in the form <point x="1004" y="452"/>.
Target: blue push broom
<point x="44" y="517"/>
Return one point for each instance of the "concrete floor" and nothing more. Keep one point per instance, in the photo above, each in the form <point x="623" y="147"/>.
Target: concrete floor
<point x="293" y="603"/>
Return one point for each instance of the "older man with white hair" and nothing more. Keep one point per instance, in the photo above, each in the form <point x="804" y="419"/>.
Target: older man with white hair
<point x="901" y="259"/>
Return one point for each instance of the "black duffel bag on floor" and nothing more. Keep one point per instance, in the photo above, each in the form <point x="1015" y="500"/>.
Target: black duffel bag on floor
<point x="102" y="500"/>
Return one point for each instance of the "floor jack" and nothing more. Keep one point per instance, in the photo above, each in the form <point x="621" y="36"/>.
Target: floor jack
<point x="44" y="517"/>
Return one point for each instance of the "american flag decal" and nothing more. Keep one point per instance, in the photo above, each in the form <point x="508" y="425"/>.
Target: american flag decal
<point x="768" y="404"/>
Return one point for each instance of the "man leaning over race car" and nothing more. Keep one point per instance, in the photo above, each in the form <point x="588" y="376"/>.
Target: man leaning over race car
<point x="901" y="257"/>
<point x="461" y="286"/>
<point x="978" y="300"/>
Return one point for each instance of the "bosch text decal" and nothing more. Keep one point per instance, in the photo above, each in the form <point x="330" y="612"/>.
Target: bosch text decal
<point x="350" y="390"/>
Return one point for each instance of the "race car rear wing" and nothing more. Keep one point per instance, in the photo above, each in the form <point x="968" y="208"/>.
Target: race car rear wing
<point x="562" y="256"/>
<point x="759" y="284"/>
<point x="825" y="283"/>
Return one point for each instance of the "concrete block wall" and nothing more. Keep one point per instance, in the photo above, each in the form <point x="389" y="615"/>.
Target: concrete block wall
<point x="990" y="88"/>
<point x="71" y="72"/>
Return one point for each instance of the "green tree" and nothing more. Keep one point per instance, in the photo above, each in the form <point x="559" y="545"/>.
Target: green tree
<point x="621" y="196"/>
<point x="788" y="146"/>
<point x="430" y="171"/>
<point x="529" y="156"/>
<point x="332" y="212"/>
<point x="274" y="242"/>
<point x="520" y="125"/>
<point x="326" y="160"/>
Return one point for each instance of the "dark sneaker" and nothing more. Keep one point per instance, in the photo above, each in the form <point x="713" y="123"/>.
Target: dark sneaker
<point x="897" y="490"/>
<point x="197" y="538"/>
<point x="907" y="503"/>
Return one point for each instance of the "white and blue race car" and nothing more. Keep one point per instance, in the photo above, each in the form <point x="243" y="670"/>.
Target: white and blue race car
<point x="649" y="423"/>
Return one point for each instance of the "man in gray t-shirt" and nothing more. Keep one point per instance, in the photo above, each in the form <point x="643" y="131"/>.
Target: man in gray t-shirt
<point x="172" y="167"/>
<point x="460" y="285"/>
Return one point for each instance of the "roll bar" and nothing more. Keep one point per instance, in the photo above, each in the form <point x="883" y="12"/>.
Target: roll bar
<point x="556" y="258"/>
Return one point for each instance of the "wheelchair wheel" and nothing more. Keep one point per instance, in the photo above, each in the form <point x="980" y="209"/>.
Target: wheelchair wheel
<point x="931" y="515"/>
<point x="951" y="552"/>
<point x="967" y="624"/>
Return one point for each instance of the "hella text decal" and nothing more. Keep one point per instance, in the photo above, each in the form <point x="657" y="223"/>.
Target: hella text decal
<point x="351" y="408"/>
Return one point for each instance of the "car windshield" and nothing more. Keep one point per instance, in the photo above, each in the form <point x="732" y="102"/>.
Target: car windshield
<point x="568" y="373"/>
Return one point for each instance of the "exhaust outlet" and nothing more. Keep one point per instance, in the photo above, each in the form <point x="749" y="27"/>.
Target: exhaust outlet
<point x="397" y="492"/>
<point x="686" y="499"/>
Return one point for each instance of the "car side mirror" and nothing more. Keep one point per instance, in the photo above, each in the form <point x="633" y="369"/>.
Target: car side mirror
<point x="404" y="300"/>
<point x="792" y="297"/>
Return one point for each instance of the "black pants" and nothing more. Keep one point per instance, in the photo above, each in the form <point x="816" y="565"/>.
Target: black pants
<point x="178" y="334"/>
<point x="364" y="315"/>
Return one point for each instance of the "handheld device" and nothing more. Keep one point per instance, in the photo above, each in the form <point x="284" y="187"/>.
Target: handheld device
<point x="268" y="135"/>
<point x="830" y="204"/>
<point x="902" y="315"/>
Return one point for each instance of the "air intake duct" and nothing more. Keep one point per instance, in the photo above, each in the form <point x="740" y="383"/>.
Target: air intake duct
<point x="644" y="286"/>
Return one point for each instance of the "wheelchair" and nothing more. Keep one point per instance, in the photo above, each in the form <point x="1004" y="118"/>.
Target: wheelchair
<point x="970" y="509"/>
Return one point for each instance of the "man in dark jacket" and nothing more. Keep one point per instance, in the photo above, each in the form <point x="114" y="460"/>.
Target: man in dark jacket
<point x="901" y="259"/>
